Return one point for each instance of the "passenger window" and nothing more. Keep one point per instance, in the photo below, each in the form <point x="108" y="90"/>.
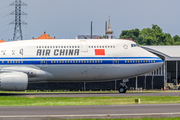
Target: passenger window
<point x="94" y="46"/>
<point x="2" y="61"/>
<point x="102" y="46"/>
<point x="21" y="61"/>
<point x="91" y="46"/>
<point x="113" y="46"/>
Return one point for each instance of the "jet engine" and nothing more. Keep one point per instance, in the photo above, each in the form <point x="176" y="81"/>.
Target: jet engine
<point x="13" y="81"/>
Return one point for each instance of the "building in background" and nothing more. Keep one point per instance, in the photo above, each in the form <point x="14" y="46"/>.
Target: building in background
<point x="44" y="36"/>
<point x="89" y="36"/>
<point x="109" y="32"/>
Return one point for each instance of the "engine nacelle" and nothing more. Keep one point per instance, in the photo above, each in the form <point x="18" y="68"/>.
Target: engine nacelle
<point x="13" y="81"/>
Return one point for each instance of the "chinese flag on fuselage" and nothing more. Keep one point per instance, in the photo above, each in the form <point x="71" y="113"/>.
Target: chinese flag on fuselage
<point x="99" y="52"/>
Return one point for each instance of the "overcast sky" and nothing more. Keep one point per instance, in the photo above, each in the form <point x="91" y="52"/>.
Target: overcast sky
<point x="66" y="19"/>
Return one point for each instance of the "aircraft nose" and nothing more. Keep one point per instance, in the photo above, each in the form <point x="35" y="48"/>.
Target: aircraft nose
<point x="160" y="61"/>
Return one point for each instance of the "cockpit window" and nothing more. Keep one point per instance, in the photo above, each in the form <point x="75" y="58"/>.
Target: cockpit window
<point x="134" y="45"/>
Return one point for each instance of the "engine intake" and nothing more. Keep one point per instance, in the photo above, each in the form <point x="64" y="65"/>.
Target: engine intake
<point x="13" y="81"/>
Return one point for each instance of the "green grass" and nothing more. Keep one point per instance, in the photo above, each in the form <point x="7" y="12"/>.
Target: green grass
<point x="56" y="101"/>
<point x="177" y="118"/>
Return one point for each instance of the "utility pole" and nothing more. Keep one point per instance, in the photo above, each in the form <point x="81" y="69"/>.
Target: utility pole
<point x="18" y="22"/>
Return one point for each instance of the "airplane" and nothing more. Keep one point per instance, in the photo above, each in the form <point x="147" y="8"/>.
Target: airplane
<point x="72" y="60"/>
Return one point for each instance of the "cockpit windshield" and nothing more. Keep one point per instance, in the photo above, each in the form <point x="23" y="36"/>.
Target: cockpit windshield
<point x="134" y="45"/>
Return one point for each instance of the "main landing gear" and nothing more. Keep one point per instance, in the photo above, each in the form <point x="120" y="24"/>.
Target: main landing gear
<point x="122" y="88"/>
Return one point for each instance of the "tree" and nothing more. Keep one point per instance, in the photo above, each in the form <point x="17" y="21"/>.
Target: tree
<point x="130" y="34"/>
<point x="150" y="36"/>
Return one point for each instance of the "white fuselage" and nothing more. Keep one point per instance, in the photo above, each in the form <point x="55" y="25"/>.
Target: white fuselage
<point x="77" y="60"/>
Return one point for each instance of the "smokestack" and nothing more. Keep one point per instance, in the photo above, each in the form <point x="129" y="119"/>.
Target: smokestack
<point x="91" y="29"/>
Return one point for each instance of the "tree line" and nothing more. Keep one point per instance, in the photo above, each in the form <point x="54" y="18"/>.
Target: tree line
<point x="150" y="36"/>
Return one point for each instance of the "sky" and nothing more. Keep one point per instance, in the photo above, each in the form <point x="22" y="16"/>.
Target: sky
<point x="66" y="19"/>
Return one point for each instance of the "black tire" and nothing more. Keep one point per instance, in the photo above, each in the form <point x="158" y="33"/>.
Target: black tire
<point x="179" y="88"/>
<point x="122" y="90"/>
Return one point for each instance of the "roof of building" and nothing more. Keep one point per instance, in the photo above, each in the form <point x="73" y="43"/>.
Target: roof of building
<point x="168" y="52"/>
<point x="44" y="36"/>
<point x="2" y="41"/>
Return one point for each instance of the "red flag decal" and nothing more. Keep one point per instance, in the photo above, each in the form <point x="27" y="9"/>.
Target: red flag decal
<point x="99" y="52"/>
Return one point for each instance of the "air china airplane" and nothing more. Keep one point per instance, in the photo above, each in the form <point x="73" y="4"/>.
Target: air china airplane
<point x="67" y="60"/>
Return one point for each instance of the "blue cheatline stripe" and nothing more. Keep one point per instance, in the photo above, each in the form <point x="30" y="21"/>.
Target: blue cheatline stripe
<point x="37" y="62"/>
<point x="15" y="58"/>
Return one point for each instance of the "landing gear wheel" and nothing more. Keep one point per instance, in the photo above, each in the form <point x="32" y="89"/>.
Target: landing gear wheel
<point x="122" y="90"/>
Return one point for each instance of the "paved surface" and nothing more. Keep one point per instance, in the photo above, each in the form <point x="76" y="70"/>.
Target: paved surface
<point x="107" y="111"/>
<point x="91" y="94"/>
<point x="103" y="111"/>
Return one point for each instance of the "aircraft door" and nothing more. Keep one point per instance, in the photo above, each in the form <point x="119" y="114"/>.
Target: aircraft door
<point x="115" y="61"/>
<point x="84" y="47"/>
<point x="43" y="62"/>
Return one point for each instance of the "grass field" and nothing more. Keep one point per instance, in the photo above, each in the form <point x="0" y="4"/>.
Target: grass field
<point x="56" y="101"/>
